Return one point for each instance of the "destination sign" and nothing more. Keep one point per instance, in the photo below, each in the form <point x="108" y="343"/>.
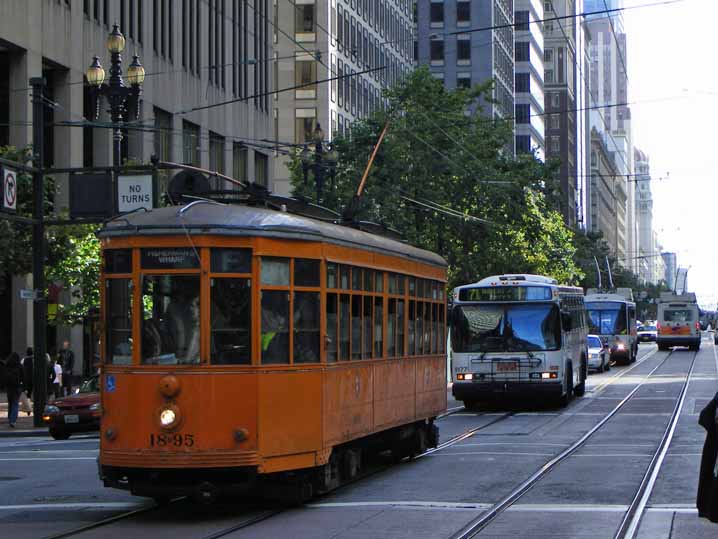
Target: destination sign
<point x="169" y="258"/>
<point x="505" y="293"/>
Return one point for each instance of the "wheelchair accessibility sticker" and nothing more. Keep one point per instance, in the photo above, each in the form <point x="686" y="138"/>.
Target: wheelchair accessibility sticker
<point x="110" y="385"/>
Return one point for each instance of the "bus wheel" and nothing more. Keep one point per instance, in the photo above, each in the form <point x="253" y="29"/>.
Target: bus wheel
<point x="580" y="389"/>
<point x="566" y="398"/>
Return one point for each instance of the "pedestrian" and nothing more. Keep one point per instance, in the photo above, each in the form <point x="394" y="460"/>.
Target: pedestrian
<point x="56" y="375"/>
<point x="707" y="501"/>
<point x="27" y="373"/>
<point x="67" y="361"/>
<point x="13" y="386"/>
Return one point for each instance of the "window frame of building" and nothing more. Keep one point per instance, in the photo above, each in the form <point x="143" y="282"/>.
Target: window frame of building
<point x="305" y="23"/>
<point x="437" y="15"/>
<point x="521" y="21"/>
<point x="463" y="13"/>
<point x="261" y="169"/>
<point x="522" y="51"/>
<point x="305" y="72"/>
<point x="305" y="121"/>
<point x="463" y="50"/>
<point x="191" y="143"/>
<point x="522" y="113"/>
<point x="216" y="156"/>
<point x="437" y="51"/>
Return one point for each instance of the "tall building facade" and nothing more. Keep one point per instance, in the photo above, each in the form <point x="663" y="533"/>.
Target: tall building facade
<point x="530" y="130"/>
<point x="647" y="247"/>
<point x="607" y="195"/>
<point x="462" y="60"/>
<point x="195" y="53"/>
<point x="320" y="39"/>
<point x="671" y="263"/>
<point x="565" y="84"/>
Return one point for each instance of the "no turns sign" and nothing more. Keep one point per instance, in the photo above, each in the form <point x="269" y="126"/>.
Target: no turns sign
<point x="9" y="189"/>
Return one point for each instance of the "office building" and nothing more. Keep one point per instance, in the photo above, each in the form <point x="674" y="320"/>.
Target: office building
<point x="315" y="40"/>
<point x="195" y="53"/>
<point x="465" y="59"/>
<point x="528" y="78"/>
<point x="671" y="263"/>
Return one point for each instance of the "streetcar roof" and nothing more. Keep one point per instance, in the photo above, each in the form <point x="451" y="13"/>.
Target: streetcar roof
<point x="248" y="221"/>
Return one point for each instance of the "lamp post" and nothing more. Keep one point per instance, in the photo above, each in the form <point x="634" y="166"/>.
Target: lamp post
<point x="322" y="153"/>
<point x="120" y="96"/>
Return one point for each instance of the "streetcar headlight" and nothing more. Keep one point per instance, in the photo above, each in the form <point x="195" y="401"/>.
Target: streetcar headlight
<point x="168" y="417"/>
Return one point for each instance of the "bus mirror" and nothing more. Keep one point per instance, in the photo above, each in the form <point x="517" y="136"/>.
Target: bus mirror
<point x="566" y="321"/>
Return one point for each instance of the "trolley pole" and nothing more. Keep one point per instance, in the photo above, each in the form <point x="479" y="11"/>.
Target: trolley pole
<point x="39" y="311"/>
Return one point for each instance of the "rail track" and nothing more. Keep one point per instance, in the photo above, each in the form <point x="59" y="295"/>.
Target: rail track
<point x="632" y="517"/>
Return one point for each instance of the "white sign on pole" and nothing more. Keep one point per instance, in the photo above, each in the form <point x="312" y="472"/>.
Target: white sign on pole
<point x="134" y="192"/>
<point x="9" y="189"/>
<point x="27" y="294"/>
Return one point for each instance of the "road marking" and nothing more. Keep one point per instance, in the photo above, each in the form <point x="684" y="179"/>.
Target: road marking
<point x="606" y="383"/>
<point x="67" y="506"/>
<point x="557" y="508"/>
<point x="443" y="454"/>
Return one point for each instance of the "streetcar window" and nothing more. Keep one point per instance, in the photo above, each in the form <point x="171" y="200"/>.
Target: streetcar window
<point x="368" y="304"/>
<point x="427" y="328"/>
<point x="442" y="329"/>
<point x="400" y="327"/>
<point x="435" y="328"/>
<point x="356" y="326"/>
<point x="118" y="261"/>
<point x="391" y="326"/>
<point x="368" y="280"/>
<point x="412" y="328"/>
<point x="379" y="282"/>
<point x="231" y="261"/>
<point x="275" y="326"/>
<point x="332" y="340"/>
<point x="332" y="271"/>
<point x="306" y="327"/>
<point x="357" y="278"/>
<point x="118" y="308"/>
<point x="344" y="277"/>
<point x="306" y="272"/>
<point x="275" y="271"/>
<point x="170" y="319"/>
<point x="344" y="310"/>
<point x="419" y="325"/>
<point x="231" y="322"/>
<point x="412" y="286"/>
<point x="378" y="326"/>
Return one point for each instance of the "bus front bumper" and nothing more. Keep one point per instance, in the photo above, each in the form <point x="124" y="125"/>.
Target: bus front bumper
<point x="470" y="391"/>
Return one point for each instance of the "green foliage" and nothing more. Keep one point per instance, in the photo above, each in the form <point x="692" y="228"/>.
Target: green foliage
<point x="436" y="153"/>
<point x="72" y="256"/>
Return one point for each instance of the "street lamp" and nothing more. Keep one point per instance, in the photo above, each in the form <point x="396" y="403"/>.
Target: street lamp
<point x="321" y="153"/>
<point x="120" y="96"/>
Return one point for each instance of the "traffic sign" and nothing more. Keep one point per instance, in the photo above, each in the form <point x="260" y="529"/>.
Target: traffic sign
<point x="134" y="192"/>
<point x="9" y="190"/>
<point x="28" y="294"/>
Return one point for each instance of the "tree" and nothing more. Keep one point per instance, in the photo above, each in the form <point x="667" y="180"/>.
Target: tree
<point x="445" y="179"/>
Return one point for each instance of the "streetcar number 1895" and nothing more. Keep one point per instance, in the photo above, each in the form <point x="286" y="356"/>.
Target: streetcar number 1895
<point x="175" y="440"/>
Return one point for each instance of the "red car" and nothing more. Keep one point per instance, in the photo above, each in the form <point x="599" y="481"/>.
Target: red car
<point x="77" y="413"/>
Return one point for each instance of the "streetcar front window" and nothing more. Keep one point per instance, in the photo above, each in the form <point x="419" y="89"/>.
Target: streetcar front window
<point x="231" y="321"/>
<point x="505" y="328"/>
<point x="170" y="319"/>
<point x="118" y="309"/>
<point x="607" y="318"/>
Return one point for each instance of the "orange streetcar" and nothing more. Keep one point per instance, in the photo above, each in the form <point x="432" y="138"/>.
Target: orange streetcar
<point x="249" y="349"/>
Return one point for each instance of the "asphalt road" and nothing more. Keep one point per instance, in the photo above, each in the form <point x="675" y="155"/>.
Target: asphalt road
<point x="47" y="486"/>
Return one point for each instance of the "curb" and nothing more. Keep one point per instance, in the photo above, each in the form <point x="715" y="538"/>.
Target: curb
<point x="24" y="433"/>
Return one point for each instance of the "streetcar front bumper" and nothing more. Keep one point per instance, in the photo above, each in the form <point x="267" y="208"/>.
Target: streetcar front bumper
<point x="487" y="389"/>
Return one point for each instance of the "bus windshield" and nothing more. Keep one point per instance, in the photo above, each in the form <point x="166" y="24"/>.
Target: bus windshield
<point x="505" y="328"/>
<point x="607" y="318"/>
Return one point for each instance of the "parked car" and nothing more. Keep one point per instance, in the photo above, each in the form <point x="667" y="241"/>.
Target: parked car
<point x="598" y="359"/>
<point x="77" y="413"/>
<point x="647" y="334"/>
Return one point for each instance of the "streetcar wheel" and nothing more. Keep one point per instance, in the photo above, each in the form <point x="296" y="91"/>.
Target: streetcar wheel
<point x="662" y="348"/>
<point x="470" y="405"/>
<point x="59" y="434"/>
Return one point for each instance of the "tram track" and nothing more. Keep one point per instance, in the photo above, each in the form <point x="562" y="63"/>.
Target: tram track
<point x="480" y="522"/>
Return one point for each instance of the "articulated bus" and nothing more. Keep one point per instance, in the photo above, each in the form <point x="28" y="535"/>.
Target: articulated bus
<point x="518" y="335"/>
<point x="678" y="321"/>
<point x="612" y="316"/>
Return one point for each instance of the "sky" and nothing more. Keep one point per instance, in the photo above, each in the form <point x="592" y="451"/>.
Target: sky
<point x="673" y="84"/>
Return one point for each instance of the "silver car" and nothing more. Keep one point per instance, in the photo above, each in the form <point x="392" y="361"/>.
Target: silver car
<point x="597" y="354"/>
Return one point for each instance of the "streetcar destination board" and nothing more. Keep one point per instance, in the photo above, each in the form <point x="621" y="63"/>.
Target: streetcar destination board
<point x="169" y="258"/>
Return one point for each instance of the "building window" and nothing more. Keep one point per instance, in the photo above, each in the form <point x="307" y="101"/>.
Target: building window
<point x="522" y="52"/>
<point x="437" y="13"/>
<point x="521" y="21"/>
<point x="163" y="134"/>
<point x="305" y="22"/>
<point x="463" y="80"/>
<point x="305" y="122"/>
<point x="555" y="143"/>
<point x="522" y="82"/>
<point x="523" y="113"/>
<point x="239" y="161"/>
<point x="437" y="51"/>
<point x="556" y="100"/>
<point x="190" y="143"/>
<point x="548" y="77"/>
<point x="555" y="121"/>
<point x="216" y="157"/>
<point x="463" y="50"/>
<point x="261" y="168"/>
<point x="463" y="13"/>
<point x="548" y="55"/>
<point x="305" y="75"/>
<point x="523" y="144"/>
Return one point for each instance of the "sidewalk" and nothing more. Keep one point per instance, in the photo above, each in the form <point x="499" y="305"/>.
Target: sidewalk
<point x="24" y="425"/>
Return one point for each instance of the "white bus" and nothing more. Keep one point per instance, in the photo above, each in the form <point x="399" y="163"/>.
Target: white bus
<point x="612" y="316"/>
<point x="518" y="335"/>
<point x="678" y="321"/>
